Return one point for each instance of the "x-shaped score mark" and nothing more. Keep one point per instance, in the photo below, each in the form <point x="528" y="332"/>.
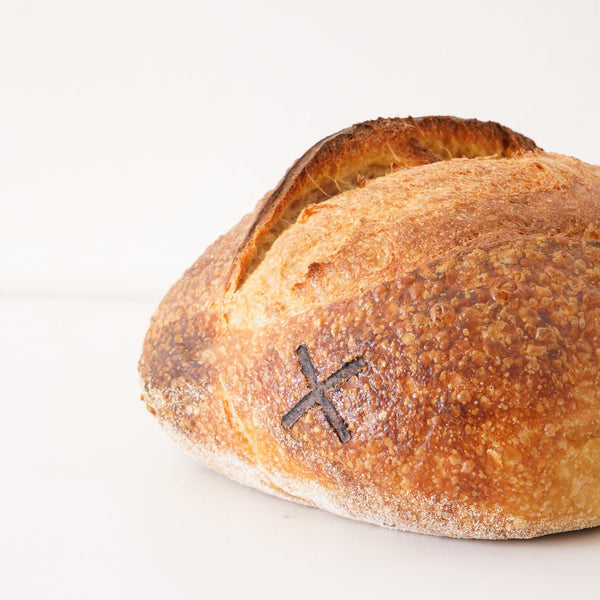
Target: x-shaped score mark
<point x="318" y="391"/>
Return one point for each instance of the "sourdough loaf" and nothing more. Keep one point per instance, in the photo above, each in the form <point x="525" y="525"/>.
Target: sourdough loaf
<point x="405" y="331"/>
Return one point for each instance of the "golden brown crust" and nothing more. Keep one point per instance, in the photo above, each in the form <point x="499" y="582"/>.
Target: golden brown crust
<point x="345" y="159"/>
<point x="470" y="291"/>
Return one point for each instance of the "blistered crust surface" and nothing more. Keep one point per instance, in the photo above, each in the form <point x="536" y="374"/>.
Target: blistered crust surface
<point x="481" y="395"/>
<point x="478" y="412"/>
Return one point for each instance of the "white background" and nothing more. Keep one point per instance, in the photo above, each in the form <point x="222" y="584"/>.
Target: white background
<point x="132" y="133"/>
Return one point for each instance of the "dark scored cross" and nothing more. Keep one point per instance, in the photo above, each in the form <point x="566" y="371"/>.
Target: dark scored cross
<point x="318" y="390"/>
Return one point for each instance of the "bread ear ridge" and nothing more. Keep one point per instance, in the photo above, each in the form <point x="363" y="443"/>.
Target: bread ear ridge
<point x="344" y="160"/>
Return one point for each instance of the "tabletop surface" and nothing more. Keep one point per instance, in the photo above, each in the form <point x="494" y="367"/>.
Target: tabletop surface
<point x="98" y="502"/>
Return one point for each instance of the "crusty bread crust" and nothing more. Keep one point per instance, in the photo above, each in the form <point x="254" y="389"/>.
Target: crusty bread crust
<point x="456" y="268"/>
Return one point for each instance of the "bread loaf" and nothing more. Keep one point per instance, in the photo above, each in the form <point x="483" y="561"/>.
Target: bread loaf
<point x="406" y="331"/>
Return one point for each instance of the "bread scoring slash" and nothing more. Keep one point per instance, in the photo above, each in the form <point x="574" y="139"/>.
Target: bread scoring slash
<point x="405" y="331"/>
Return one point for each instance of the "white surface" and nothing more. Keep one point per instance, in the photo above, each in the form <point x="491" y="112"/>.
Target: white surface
<point x="132" y="133"/>
<point x="98" y="502"/>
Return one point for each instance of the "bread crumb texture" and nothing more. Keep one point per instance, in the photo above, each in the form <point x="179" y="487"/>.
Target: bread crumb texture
<point x="471" y="289"/>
